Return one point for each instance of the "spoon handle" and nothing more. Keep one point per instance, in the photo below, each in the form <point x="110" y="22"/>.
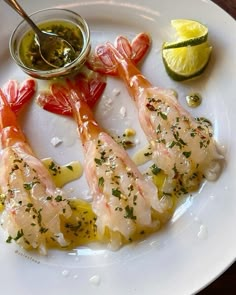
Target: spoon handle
<point x="16" y="6"/>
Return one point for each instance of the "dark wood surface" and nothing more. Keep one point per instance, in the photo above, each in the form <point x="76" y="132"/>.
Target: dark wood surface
<point x="228" y="5"/>
<point x="226" y="283"/>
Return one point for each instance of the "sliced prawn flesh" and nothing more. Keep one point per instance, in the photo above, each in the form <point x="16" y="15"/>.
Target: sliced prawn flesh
<point x="123" y="199"/>
<point x="32" y="204"/>
<point x="182" y="146"/>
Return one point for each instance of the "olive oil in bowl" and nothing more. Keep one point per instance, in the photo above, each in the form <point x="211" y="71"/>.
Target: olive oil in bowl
<point x="29" y="48"/>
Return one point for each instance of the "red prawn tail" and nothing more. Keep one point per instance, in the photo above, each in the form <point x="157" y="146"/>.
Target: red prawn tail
<point x="76" y="98"/>
<point x="10" y="131"/>
<point x="60" y="99"/>
<point x="55" y="100"/>
<point x="135" y="50"/>
<point x="12" y="98"/>
<point x="101" y="61"/>
<point x="89" y="88"/>
<point x="95" y="64"/>
<point x="7" y="116"/>
<point x="107" y="57"/>
<point x="18" y="95"/>
<point x="140" y="45"/>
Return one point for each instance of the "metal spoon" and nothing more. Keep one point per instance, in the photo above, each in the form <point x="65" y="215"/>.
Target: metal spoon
<point x="54" y="50"/>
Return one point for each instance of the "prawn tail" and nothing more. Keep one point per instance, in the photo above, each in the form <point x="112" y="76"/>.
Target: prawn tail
<point x="55" y="100"/>
<point x="102" y="62"/>
<point x="10" y="131"/>
<point x="107" y="57"/>
<point x="134" y="50"/>
<point x="90" y="87"/>
<point x="61" y="98"/>
<point x="19" y="95"/>
<point x="140" y="46"/>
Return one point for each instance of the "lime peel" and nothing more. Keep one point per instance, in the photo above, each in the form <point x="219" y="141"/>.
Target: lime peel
<point x="188" y="32"/>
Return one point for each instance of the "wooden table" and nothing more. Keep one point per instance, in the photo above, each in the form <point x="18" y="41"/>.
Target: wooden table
<point x="228" y="5"/>
<point x="226" y="283"/>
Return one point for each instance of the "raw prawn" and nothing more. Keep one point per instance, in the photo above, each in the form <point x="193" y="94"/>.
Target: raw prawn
<point x="182" y="146"/>
<point x="32" y="203"/>
<point x="123" y="199"/>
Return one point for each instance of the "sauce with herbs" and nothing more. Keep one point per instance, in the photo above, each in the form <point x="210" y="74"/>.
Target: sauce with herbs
<point x="142" y="156"/>
<point x="62" y="175"/>
<point x="29" y="49"/>
<point x="126" y="139"/>
<point x="80" y="228"/>
<point x="194" y="100"/>
<point x="2" y="199"/>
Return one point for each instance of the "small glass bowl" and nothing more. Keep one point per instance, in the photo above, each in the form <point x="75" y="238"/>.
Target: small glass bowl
<point x="44" y="16"/>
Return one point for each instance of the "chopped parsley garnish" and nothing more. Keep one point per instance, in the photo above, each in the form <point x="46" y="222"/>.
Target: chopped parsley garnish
<point x="2" y="199"/>
<point x="18" y="161"/>
<point x="74" y="227"/>
<point x="155" y="170"/>
<point x="118" y="209"/>
<point x="172" y="144"/>
<point x="28" y="207"/>
<point x="158" y="129"/>
<point x="58" y="198"/>
<point x="43" y="230"/>
<point x="98" y="161"/>
<point x="28" y="186"/>
<point x="19" y="235"/>
<point x="116" y="193"/>
<point x="9" y="239"/>
<point x="69" y="167"/>
<point x="135" y="199"/>
<point x="129" y="213"/>
<point x="147" y="154"/>
<point x="14" y="168"/>
<point x="101" y="181"/>
<point x="54" y="168"/>
<point x="163" y="115"/>
<point x="187" y="154"/>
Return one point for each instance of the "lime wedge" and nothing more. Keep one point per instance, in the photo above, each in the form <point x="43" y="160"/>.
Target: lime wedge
<point x="186" y="62"/>
<point x="189" y="32"/>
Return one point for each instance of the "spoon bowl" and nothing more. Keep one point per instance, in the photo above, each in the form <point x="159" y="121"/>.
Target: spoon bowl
<point x="55" y="51"/>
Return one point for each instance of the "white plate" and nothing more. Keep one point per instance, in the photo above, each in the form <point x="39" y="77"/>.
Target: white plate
<point x="200" y="241"/>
